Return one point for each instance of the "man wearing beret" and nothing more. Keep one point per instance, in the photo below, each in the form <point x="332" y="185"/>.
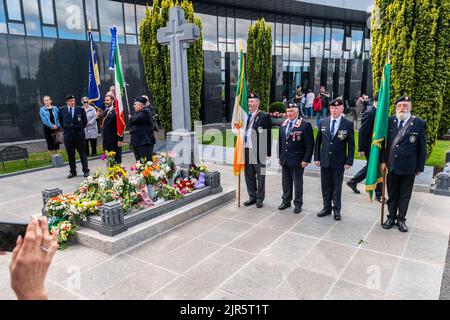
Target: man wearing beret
<point x="295" y="148"/>
<point x="73" y="121"/>
<point x="141" y="130"/>
<point x="334" y="152"/>
<point x="364" y="146"/>
<point x="404" y="158"/>
<point x="258" y="148"/>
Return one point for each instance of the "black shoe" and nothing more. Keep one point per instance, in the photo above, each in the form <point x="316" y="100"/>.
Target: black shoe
<point x="249" y="202"/>
<point x="297" y="210"/>
<point x="259" y="204"/>
<point x="337" y="215"/>
<point x="284" y="205"/>
<point x="353" y="187"/>
<point x="402" y="226"/>
<point x="389" y="223"/>
<point x="71" y="175"/>
<point x="378" y="198"/>
<point x="324" y="213"/>
<point x="86" y="174"/>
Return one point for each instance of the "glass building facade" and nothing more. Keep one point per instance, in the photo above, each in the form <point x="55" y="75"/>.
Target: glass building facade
<point x="43" y="48"/>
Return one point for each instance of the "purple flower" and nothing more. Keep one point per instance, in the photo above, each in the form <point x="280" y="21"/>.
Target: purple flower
<point x="104" y="157"/>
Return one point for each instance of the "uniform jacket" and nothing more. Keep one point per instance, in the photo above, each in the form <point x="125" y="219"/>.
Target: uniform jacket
<point x="366" y="130"/>
<point x="298" y="146"/>
<point x="91" y="128"/>
<point x="336" y="152"/>
<point x="109" y="128"/>
<point x="141" y="128"/>
<point x="73" y="127"/>
<point x="410" y="152"/>
<point x="261" y="137"/>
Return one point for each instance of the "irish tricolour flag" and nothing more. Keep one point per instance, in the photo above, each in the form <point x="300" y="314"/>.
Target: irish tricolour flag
<point x="115" y="63"/>
<point x="239" y="121"/>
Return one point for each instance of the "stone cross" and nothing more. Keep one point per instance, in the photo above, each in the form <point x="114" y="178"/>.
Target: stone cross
<point x="177" y="35"/>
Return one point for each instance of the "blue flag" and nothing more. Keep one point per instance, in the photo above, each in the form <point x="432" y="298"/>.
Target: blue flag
<point x="112" y="50"/>
<point x="95" y="91"/>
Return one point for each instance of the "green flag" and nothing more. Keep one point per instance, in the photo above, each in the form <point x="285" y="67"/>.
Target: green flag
<point x="374" y="175"/>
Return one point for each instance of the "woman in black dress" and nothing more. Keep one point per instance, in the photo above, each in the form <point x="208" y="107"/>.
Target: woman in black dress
<point x="49" y="117"/>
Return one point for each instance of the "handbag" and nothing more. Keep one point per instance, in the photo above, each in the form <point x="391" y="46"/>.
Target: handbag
<point x="58" y="136"/>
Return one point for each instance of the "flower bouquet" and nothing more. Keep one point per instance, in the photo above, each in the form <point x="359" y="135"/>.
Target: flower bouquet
<point x="167" y="192"/>
<point x="66" y="230"/>
<point x="185" y="185"/>
<point x="59" y="206"/>
<point x="194" y="170"/>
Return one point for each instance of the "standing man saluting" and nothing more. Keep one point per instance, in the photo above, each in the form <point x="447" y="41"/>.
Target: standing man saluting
<point x="334" y="152"/>
<point x="295" y="147"/>
<point x="73" y="120"/>
<point x="258" y="148"/>
<point x="404" y="157"/>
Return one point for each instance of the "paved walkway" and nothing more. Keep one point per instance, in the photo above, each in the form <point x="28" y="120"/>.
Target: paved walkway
<point x="249" y="253"/>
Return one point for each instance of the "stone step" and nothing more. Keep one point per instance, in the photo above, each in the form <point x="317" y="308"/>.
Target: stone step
<point x="153" y="228"/>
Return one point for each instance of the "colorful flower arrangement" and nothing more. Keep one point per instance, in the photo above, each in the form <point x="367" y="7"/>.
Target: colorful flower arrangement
<point x="66" y="230"/>
<point x="185" y="185"/>
<point x="194" y="170"/>
<point x="166" y="192"/>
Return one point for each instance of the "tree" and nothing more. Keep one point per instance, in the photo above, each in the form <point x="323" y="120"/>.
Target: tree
<point x="415" y="33"/>
<point x="156" y="60"/>
<point x="259" y="61"/>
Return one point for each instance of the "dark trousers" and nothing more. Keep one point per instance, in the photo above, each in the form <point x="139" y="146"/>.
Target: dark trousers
<point x="331" y="181"/>
<point x="116" y="149"/>
<point x="292" y="177"/>
<point x="361" y="175"/>
<point x="399" y="190"/>
<point x="145" y="151"/>
<point x="71" y="147"/>
<point x="93" y="143"/>
<point x="254" y="179"/>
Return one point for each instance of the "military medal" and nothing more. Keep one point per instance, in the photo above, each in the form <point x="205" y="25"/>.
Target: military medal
<point x="412" y="138"/>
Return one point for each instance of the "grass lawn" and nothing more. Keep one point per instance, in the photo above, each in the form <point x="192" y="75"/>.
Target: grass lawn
<point x="436" y="159"/>
<point x="40" y="159"/>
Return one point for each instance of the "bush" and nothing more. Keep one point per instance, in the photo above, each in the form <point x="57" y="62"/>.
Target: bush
<point x="277" y="107"/>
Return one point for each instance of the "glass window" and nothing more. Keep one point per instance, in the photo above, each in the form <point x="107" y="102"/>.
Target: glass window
<point x="48" y="12"/>
<point x="285" y="35"/>
<point x="14" y="10"/>
<point x="3" y="28"/>
<point x="327" y="38"/>
<point x="91" y="13"/>
<point x="223" y="48"/>
<point x="297" y="42"/>
<point x="242" y="33"/>
<point x="32" y="19"/>
<point x="337" y="39"/>
<point x="278" y="34"/>
<point x="111" y="14"/>
<point x="70" y="19"/>
<point x="130" y="18"/>
<point x="317" y="34"/>
<point x="357" y="37"/>
<point x="49" y="32"/>
<point x="286" y="53"/>
<point x="231" y="47"/>
<point x="140" y="15"/>
<point x="209" y="24"/>
<point x="131" y="39"/>
<point x="230" y="30"/>
<point x="278" y="51"/>
<point x="307" y="36"/>
<point x="222" y="30"/>
<point x="16" y="28"/>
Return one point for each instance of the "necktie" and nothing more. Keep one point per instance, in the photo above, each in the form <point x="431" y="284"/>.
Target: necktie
<point x="288" y="131"/>
<point x="248" y="126"/>
<point x="333" y="123"/>
<point x="401" y="125"/>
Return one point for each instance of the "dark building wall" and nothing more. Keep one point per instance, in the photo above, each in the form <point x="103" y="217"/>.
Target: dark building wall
<point x="31" y="67"/>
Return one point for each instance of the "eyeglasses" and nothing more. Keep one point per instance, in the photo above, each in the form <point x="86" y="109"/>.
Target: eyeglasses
<point x="85" y="101"/>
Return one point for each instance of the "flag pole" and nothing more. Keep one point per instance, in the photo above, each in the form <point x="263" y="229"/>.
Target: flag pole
<point x="240" y="173"/>
<point x="383" y="186"/>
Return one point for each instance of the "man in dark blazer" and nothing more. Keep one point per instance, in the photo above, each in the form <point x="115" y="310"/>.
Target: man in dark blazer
<point x="404" y="158"/>
<point x="295" y="148"/>
<point x="334" y="152"/>
<point x="111" y="140"/>
<point x="364" y="146"/>
<point x="73" y="121"/>
<point x="258" y="148"/>
<point x="141" y="130"/>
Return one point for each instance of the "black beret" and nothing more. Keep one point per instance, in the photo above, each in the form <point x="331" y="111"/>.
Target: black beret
<point x="402" y="98"/>
<point x="337" y="102"/>
<point x="252" y="96"/>
<point x="291" y="104"/>
<point x="70" y="97"/>
<point x="141" y="99"/>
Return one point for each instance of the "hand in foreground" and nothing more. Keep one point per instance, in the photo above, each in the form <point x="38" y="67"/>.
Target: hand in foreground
<point x="304" y="164"/>
<point x="31" y="259"/>
<point x="318" y="163"/>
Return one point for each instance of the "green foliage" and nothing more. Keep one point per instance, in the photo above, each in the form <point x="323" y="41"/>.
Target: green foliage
<point x="416" y="35"/>
<point x="259" y="61"/>
<point x="156" y="60"/>
<point x="277" y="107"/>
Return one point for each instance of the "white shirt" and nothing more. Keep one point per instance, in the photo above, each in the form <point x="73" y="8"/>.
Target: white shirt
<point x="310" y="97"/>
<point x="404" y="121"/>
<point x="248" y="133"/>
<point x="336" y="125"/>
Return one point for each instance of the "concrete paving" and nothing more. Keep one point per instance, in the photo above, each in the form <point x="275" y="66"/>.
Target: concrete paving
<point x="249" y="253"/>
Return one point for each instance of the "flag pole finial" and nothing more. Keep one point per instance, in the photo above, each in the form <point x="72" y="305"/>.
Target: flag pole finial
<point x="389" y="56"/>
<point x="242" y="45"/>
<point x="89" y="25"/>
